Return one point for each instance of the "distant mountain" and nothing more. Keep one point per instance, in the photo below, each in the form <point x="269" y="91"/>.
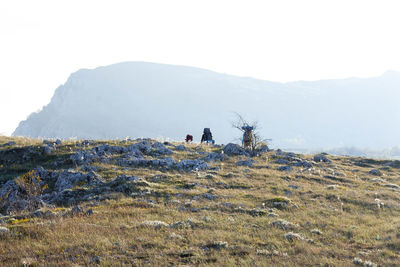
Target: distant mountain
<point x="139" y="99"/>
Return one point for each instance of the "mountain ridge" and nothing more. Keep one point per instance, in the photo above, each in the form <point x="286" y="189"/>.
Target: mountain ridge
<point x="162" y="100"/>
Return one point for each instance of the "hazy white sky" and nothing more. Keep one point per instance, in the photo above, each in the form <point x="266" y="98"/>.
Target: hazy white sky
<point x="43" y="41"/>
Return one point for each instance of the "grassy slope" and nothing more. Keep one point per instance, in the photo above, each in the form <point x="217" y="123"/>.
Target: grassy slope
<point x="351" y="223"/>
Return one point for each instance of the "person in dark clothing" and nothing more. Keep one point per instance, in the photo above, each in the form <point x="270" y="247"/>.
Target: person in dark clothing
<point x="207" y="136"/>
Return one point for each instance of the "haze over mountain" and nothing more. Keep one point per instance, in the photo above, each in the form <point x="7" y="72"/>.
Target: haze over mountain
<point x="139" y="99"/>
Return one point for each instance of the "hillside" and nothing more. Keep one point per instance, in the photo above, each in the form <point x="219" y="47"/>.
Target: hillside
<point x="139" y="99"/>
<point x="142" y="202"/>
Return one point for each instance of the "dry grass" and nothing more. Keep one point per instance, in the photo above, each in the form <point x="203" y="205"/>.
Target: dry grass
<point x="351" y="223"/>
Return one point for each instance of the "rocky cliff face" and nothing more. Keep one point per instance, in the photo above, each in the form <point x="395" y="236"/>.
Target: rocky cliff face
<point x="140" y="99"/>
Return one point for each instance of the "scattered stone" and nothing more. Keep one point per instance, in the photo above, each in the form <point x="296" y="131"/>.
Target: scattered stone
<point x="282" y="161"/>
<point x="175" y="236"/>
<point x="189" y="223"/>
<point x="235" y="150"/>
<point x="181" y="148"/>
<point x="293" y="236"/>
<point x="285" y="225"/>
<point x="217" y="245"/>
<point x="257" y="212"/>
<point x="370" y="264"/>
<point x="247" y="162"/>
<point x="332" y="186"/>
<point x="95" y="260"/>
<point x="155" y="224"/>
<point x="272" y="215"/>
<point x="394" y="186"/>
<point x="316" y="231"/>
<point x="67" y="180"/>
<point x="160" y="148"/>
<point x="285" y="168"/>
<point x="358" y="261"/>
<point x="215" y="157"/>
<point x="4" y="231"/>
<point x="11" y="143"/>
<point x="75" y="211"/>
<point x="375" y="172"/>
<point x="378" y="180"/>
<point x="321" y="158"/>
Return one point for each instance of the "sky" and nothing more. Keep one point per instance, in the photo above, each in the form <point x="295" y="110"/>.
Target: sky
<point x="43" y="41"/>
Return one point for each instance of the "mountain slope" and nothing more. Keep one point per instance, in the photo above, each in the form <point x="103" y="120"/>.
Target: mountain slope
<point x="155" y="100"/>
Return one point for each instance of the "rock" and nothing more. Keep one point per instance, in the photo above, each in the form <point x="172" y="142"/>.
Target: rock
<point x="282" y="161"/>
<point x="50" y="214"/>
<point x="38" y="214"/>
<point x="285" y="225"/>
<point x="160" y="148"/>
<point x="107" y="149"/>
<point x="247" y="162"/>
<point x="85" y="157"/>
<point x="293" y="236"/>
<point x="394" y="186"/>
<point x="316" y="231"/>
<point x="89" y="212"/>
<point x="48" y="150"/>
<point x="332" y="186"/>
<point x="235" y="150"/>
<point x="189" y="223"/>
<point x="321" y="158"/>
<point x="217" y="245"/>
<point x="67" y="180"/>
<point x="11" y="143"/>
<point x="4" y="231"/>
<point x="208" y="196"/>
<point x="15" y="199"/>
<point x="285" y="168"/>
<point x="375" y="172"/>
<point x="376" y="180"/>
<point x="95" y="260"/>
<point x="272" y="215"/>
<point x="357" y="261"/>
<point x="175" y="236"/>
<point x="181" y="148"/>
<point x="155" y="224"/>
<point x="192" y="164"/>
<point x="257" y="212"/>
<point x="304" y="163"/>
<point x="76" y="211"/>
<point x="58" y="142"/>
<point x="370" y="264"/>
<point x="262" y="149"/>
<point x="215" y="157"/>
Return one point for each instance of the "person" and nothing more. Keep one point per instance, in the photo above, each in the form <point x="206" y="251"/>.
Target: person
<point x="207" y="136"/>
<point x="189" y="138"/>
<point x="247" y="137"/>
